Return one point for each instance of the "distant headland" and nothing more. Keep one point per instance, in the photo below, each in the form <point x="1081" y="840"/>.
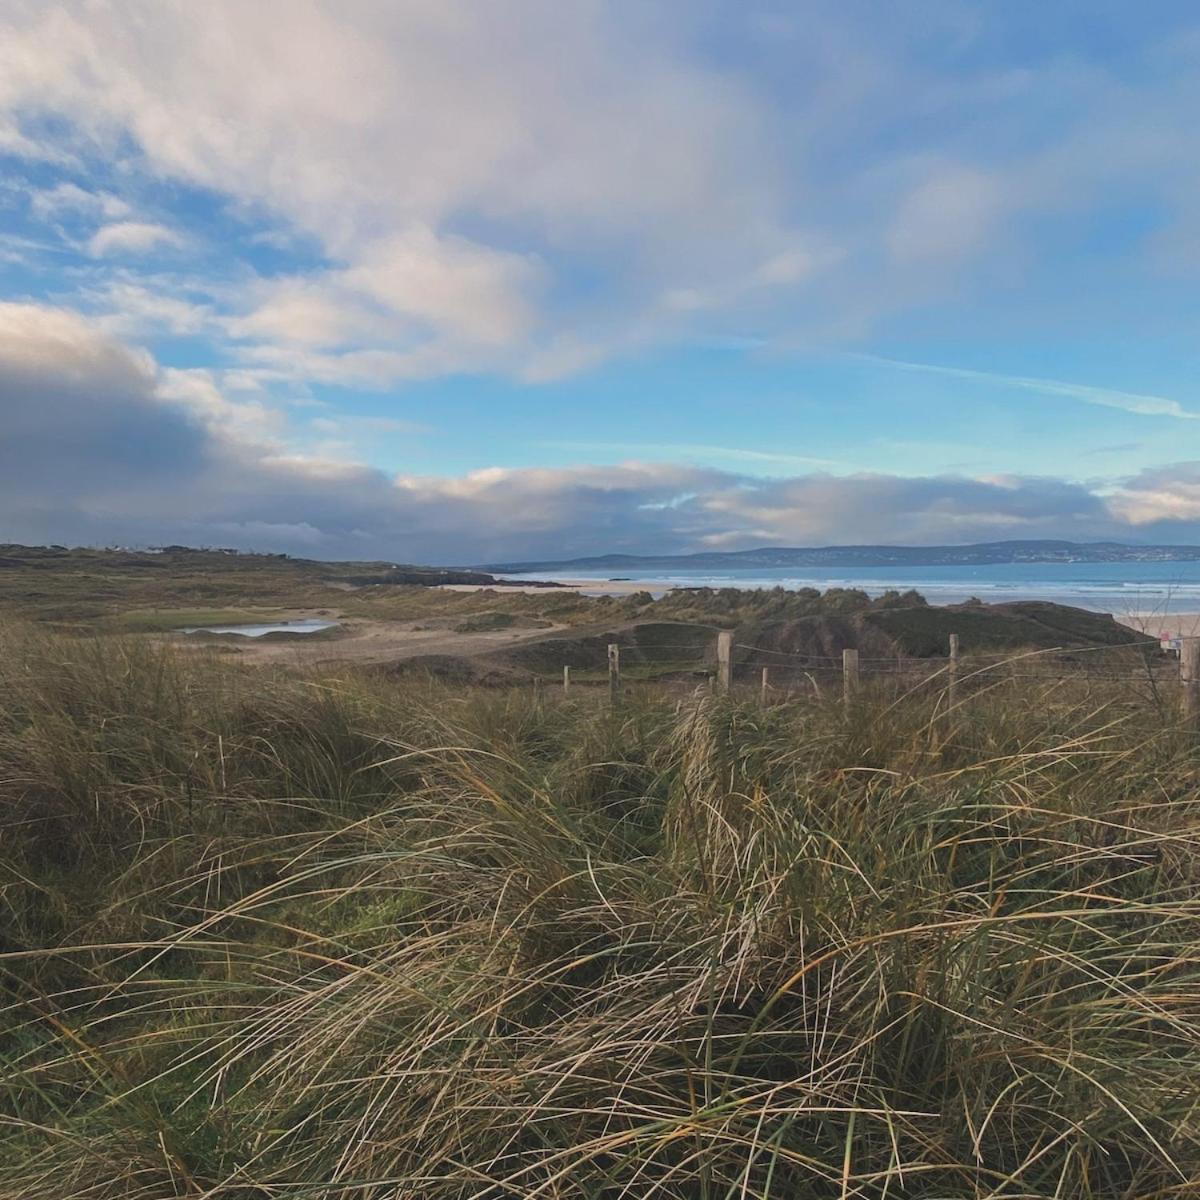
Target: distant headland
<point x="975" y="554"/>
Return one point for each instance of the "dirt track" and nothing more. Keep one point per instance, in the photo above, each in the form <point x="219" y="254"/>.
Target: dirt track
<point x="364" y="641"/>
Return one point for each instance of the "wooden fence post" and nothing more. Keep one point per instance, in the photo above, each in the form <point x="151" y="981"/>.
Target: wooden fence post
<point x="1189" y="677"/>
<point x="724" y="659"/>
<point x="953" y="684"/>
<point x="766" y="672"/>
<point x="614" y="674"/>
<point x="566" y="679"/>
<point x="849" y="673"/>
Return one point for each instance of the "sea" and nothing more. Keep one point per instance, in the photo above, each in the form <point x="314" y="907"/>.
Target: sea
<point x="1123" y="589"/>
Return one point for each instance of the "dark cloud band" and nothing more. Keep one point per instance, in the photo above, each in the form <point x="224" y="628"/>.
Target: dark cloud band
<point x="97" y="447"/>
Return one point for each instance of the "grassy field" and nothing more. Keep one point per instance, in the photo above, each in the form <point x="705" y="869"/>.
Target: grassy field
<point x="275" y="935"/>
<point x="81" y="590"/>
<point x="114" y="591"/>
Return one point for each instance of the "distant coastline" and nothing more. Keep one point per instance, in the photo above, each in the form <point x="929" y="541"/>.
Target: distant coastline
<point x="1124" y="589"/>
<point x="1035" y="551"/>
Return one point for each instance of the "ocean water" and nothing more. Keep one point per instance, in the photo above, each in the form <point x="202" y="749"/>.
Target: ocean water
<point x="1117" y="588"/>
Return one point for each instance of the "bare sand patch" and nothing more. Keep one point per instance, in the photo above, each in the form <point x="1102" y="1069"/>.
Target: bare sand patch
<point x="507" y="589"/>
<point x="368" y="641"/>
<point x="587" y="587"/>
<point x="1163" y="624"/>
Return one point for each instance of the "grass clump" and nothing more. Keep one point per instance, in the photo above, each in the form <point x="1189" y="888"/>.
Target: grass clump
<point x="171" y="620"/>
<point x="275" y="935"/>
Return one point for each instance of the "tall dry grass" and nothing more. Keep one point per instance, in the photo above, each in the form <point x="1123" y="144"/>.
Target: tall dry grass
<point x="267" y="935"/>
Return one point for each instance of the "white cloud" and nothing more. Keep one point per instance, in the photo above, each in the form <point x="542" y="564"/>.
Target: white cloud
<point x="307" y="312"/>
<point x="39" y="342"/>
<point x="435" y="296"/>
<point x="1157" y="495"/>
<point x="373" y="329"/>
<point x="247" y="422"/>
<point x="102" y="444"/>
<point x="131" y="308"/>
<point x="533" y="187"/>
<point x="453" y="161"/>
<point x="466" y="290"/>
<point x="15" y="142"/>
<point x="1130" y="402"/>
<point x="368" y="368"/>
<point x="947" y="216"/>
<point x="63" y="197"/>
<point x="787" y="268"/>
<point x="131" y="237"/>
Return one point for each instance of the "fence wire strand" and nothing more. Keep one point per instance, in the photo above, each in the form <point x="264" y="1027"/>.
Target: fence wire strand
<point x="783" y="670"/>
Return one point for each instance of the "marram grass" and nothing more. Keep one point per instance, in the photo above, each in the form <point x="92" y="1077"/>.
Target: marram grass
<point x="270" y="936"/>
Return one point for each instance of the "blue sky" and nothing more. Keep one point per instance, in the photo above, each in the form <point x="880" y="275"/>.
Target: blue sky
<point x="463" y="281"/>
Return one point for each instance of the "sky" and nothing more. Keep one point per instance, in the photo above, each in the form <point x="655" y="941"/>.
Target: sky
<point x="454" y="281"/>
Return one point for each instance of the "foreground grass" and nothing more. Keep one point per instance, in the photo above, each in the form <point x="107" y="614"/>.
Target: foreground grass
<point x="273" y="936"/>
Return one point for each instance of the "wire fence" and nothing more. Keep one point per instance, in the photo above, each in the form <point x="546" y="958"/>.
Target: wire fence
<point x="778" y="673"/>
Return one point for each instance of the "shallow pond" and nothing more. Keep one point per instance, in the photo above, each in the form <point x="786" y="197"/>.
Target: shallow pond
<point x="305" y="625"/>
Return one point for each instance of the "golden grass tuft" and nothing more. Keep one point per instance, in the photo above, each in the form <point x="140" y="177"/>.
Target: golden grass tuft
<point x="272" y="935"/>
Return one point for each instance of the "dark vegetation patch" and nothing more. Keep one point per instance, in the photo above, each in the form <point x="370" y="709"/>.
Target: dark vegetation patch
<point x="993" y="627"/>
<point x="494" y="621"/>
<point x="449" y="668"/>
<point x="654" y="648"/>
<point x="647" y="648"/>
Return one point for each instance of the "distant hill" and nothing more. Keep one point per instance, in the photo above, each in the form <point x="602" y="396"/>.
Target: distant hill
<point x="979" y="553"/>
<point x="83" y="585"/>
<point x="166" y="560"/>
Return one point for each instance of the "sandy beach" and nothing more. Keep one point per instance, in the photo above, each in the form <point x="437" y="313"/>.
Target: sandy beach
<point x="1163" y="625"/>
<point x="589" y="587"/>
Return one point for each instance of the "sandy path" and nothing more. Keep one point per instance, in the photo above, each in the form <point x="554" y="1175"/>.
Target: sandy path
<point x="366" y="641"/>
